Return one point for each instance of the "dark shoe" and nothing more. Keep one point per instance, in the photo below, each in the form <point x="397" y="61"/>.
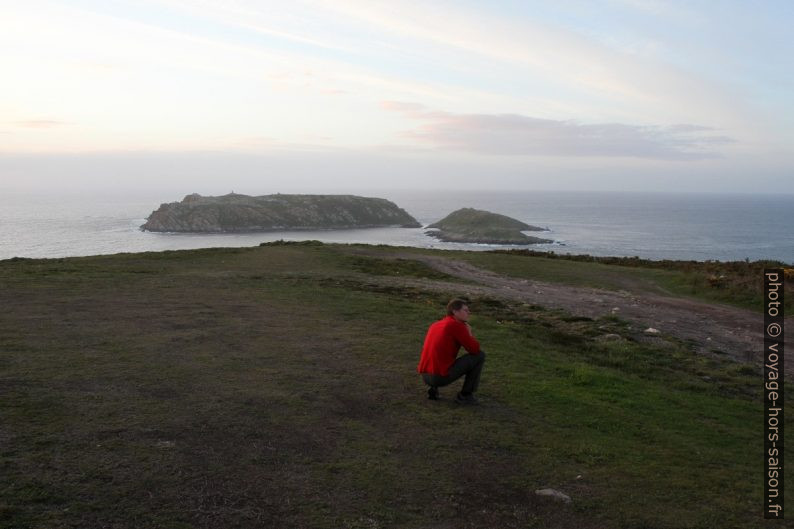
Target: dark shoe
<point x="466" y="399"/>
<point x="432" y="393"/>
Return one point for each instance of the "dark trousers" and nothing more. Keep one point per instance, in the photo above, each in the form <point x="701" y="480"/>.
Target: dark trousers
<point x="468" y="364"/>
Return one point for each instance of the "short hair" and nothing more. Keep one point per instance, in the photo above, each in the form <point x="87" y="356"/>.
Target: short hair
<point x="456" y="304"/>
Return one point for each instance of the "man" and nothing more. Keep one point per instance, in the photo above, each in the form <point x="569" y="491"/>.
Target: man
<point x="439" y="365"/>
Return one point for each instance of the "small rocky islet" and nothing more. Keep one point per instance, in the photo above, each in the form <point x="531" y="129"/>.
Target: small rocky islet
<point x="235" y="213"/>
<point x="471" y="225"/>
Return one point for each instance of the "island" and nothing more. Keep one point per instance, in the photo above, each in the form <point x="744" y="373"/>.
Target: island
<point x="235" y="213"/>
<point x="477" y="226"/>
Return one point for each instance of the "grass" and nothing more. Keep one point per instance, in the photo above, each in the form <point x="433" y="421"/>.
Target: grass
<point x="275" y="387"/>
<point x="736" y="283"/>
<point x="397" y="267"/>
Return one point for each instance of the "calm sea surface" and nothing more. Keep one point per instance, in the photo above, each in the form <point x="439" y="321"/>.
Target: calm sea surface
<point x="650" y="225"/>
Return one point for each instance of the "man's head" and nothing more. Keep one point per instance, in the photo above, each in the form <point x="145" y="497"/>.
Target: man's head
<point x="458" y="309"/>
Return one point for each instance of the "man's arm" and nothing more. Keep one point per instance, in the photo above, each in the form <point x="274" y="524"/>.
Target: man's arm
<point x="464" y="336"/>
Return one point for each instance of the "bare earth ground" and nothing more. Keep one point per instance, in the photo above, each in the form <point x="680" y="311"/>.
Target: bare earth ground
<point x="709" y="328"/>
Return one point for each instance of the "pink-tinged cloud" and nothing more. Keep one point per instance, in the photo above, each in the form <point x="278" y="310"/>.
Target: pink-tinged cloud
<point x="514" y="134"/>
<point x="410" y="109"/>
<point x="39" y="123"/>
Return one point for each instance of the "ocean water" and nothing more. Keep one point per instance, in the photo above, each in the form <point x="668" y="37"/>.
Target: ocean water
<point x="649" y="225"/>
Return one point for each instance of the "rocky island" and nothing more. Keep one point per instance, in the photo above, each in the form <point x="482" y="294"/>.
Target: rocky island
<point x="478" y="226"/>
<point x="242" y="213"/>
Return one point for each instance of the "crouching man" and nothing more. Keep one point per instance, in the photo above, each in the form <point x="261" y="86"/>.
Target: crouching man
<point x="440" y="364"/>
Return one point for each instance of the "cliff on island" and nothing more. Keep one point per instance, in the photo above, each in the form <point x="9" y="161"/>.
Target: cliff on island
<point x="243" y="213"/>
<point x="477" y="226"/>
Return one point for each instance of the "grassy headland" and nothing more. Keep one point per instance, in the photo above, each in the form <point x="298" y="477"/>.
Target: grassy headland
<point x="275" y="387"/>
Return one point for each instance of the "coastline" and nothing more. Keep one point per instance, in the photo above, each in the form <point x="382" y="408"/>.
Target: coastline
<point x="674" y="226"/>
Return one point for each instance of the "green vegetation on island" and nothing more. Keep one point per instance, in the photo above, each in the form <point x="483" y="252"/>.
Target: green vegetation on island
<point x="477" y="226"/>
<point x="243" y="213"/>
<point x="275" y="386"/>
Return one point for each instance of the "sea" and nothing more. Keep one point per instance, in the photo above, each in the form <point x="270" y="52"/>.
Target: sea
<point x="684" y="226"/>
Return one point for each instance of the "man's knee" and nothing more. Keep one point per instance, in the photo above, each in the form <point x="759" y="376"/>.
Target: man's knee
<point x="481" y="356"/>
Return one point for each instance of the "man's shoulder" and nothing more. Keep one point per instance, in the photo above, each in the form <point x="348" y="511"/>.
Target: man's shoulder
<point x="445" y="322"/>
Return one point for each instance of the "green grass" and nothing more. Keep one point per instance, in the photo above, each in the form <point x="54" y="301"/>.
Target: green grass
<point x="397" y="267"/>
<point x="275" y="387"/>
<point x="735" y="283"/>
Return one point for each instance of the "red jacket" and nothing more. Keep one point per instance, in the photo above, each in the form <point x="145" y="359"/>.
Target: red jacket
<point x="442" y="343"/>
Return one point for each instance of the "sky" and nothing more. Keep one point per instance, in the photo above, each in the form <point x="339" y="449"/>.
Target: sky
<point x="255" y="96"/>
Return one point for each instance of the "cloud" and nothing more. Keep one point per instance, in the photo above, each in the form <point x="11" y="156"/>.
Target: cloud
<point x="409" y="109"/>
<point x="574" y="65"/>
<point x="514" y="134"/>
<point x="39" y="123"/>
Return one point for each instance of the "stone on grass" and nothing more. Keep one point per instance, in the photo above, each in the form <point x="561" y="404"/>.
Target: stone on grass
<point x="651" y="330"/>
<point x="554" y="494"/>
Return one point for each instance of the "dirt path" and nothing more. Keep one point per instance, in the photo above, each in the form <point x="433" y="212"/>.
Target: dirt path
<point x="710" y="328"/>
